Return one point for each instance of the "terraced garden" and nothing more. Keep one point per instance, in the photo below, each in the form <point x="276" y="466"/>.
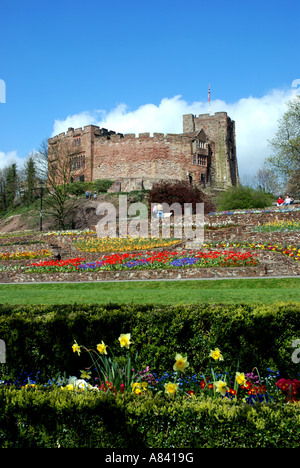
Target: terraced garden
<point x="116" y="329"/>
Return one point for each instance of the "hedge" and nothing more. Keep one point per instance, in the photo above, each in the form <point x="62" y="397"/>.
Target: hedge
<point x="39" y="338"/>
<point x="43" y="418"/>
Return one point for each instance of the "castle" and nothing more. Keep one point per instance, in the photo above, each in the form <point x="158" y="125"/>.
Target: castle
<point x="204" y="154"/>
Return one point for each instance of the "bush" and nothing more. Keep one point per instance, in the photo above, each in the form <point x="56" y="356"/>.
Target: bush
<point x="39" y="339"/>
<point x="180" y="192"/>
<point x="45" y="418"/>
<point x="102" y="185"/>
<point x="99" y="186"/>
<point x="241" y="197"/>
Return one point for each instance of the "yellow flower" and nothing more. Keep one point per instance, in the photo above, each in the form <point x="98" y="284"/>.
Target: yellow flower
<point x="101" y="348"/>
<point x="216" y="355"/>
<point x="125" y="340"/>
<point x="68" y="387"/>
<point x="85" y="375"/>
<point x="240" y="378"/>
<point x="171" y="388"/>
<point x="139" y="387"/>
<point x="76" y="348"/>
<point x="181" y="363"/>
<point x="221" y="387"/>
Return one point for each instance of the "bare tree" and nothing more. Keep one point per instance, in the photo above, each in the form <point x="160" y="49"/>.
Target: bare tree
<point x="266" y="180"/>
<point x="285" y="145"/>
<point x="56" y="169"/>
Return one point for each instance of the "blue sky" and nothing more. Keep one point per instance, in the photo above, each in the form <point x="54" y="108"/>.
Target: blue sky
<point x="138" y="65"/>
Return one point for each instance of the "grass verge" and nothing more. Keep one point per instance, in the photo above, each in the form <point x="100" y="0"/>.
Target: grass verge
<point x="247" y="291"/>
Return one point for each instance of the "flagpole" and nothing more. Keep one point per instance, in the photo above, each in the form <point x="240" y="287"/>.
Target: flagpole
<point x="209" y="108"/>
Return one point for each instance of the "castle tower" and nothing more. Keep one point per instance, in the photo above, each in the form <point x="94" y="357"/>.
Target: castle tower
<point x="220" y="130"/>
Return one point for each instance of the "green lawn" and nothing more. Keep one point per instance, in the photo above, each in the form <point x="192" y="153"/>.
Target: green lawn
<point x="156" y="292"/>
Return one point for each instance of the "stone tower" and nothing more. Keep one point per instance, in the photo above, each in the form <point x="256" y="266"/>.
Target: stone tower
<point x="220" y="130"/>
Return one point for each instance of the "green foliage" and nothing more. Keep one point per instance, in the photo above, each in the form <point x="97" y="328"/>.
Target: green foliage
<point x="243" y="197"/>
<point x="30" y="174"/>
<point x="45" y="418"/>
<point x="40" y="338"/>
<point x="11" y="184"/>
<point x="99" y="186"/>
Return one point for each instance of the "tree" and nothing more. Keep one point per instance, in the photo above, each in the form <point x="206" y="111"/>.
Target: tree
<point x="3" y="202"/>
<point x="54" y="166"/>
<point x="285" y="145"/>
<point x="30" y="180"/>
<point x="11" y="184"/>
<point x="266" y="180"/>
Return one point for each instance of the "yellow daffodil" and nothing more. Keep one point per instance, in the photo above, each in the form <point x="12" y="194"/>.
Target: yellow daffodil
<point x="221" y="387"/>
<point x="240" y="378"/>
<point x="76" y="348"/>
<point x="171" y="388"/>
<point x="125" y="340"/>
<point x="101" y="348"/>
<point x="85" y="375"/>
<point x="139" y="387"/>
<point x="181" y="363"/>
<point x="216" y="355"/>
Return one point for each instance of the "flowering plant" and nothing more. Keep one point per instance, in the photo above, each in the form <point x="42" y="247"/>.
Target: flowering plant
<point x="112" y="377"/>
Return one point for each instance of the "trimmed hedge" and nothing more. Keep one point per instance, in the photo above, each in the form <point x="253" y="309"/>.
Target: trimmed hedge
<point x="33" y="418"/>
<point x="39" y="338"/>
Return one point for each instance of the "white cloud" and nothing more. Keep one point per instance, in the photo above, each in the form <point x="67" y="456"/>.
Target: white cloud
<point x="11" y="157"/>
<point x="256" y="121"/>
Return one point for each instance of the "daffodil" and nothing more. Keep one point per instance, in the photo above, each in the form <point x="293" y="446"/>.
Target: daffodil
<point x="76" y="348"/>
<point x="240" y="378"/>
<point x="181" y="363"/>
<point x="171" y="388"/>
<point x="101" y="348"/>
<point x="85" y="375"/>
<point x="125" y="340"/>
<point x="221" y="387"/>
<point x="216" y="355"/>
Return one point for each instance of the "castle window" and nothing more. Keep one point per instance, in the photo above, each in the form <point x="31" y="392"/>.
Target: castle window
<point x="194" y="159"/>
<point x="201" y="160"/>
<point x="201" y="144"/>
<point x="77" y="141"/>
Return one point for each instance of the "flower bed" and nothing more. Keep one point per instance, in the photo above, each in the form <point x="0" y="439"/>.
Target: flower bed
<point x="292" y="251"/>
<point x="121" y="244"/>
<point x="279" y="226"/>
<point x="148" y="260"/>
<point x="106" y="374"/>
<point x="25" y="255"/>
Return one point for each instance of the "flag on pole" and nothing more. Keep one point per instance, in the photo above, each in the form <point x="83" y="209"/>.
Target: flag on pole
<point x="209" y="94"/>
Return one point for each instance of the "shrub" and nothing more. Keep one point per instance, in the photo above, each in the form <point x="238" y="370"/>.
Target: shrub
<point x="45" y="418"/>
<point x="242" y="197"/>
<point x="39" y="338"/>
<point x="179" y="192"/>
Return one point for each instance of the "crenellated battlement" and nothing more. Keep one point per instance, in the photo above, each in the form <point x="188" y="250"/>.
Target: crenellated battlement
<point x="204" y="154"/>
<point x="114" y="136"/>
